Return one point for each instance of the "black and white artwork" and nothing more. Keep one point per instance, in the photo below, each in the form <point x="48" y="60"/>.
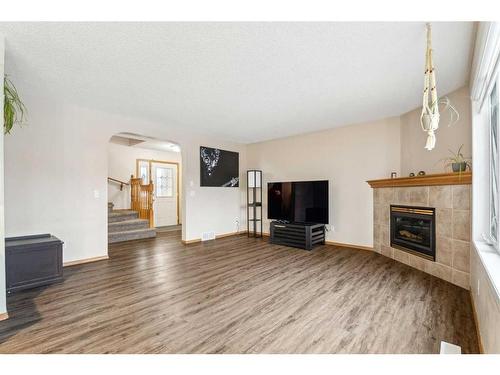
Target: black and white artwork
<point x="219" y="167"/>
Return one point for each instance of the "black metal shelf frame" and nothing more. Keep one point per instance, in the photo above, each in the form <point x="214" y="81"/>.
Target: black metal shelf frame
<point x="254" y="203"/>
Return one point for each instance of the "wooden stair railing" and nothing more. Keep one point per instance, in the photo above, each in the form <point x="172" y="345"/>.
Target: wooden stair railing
<point x="141" y="199"/>
<point x="110" y="179"/>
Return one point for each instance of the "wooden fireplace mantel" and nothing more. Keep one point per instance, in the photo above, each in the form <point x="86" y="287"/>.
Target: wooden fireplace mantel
<point x="464" y="178"/>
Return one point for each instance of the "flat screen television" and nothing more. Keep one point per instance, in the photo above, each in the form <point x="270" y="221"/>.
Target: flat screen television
<point x="298" y="202"/>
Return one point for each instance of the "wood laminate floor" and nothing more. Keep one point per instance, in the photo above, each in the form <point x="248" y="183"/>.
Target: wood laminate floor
<point x="239" y="295"/>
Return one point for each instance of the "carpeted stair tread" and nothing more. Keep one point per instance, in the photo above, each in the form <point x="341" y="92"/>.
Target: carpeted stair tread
<point x="129" y="235"/>
<point x="122" y="215"/>
<point x="121" y="226"/>
<point x="125" y="225"/>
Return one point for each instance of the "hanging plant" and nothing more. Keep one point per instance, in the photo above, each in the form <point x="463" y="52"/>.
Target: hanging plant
<point x="14" y="109"/>
<point x="429" y="118"/>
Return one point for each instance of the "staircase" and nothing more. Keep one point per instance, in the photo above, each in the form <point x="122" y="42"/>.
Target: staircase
<point x="125" y="225"/>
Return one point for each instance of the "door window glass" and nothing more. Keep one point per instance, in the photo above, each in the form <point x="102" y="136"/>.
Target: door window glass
<point x="164" y="182"/>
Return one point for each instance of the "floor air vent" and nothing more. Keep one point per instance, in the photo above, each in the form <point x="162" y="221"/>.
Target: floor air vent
<point x="207" y="236"/>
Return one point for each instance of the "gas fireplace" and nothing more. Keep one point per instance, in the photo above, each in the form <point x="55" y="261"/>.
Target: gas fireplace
<point x="413" y="229"/>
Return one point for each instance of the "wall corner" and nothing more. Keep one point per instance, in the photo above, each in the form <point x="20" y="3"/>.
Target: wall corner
<point x="3" y="292"/>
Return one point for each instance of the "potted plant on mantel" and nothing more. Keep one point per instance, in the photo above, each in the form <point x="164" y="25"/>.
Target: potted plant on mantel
<point x="13" y="108"/>
<point x="458" y="162"/>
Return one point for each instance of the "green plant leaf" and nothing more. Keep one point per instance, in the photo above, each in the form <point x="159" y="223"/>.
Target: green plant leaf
<point x="14" y="109"/>
<point x="457" y="157"/>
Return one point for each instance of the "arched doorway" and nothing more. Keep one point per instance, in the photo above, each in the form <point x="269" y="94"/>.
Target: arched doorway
<point x="144" y="187"/>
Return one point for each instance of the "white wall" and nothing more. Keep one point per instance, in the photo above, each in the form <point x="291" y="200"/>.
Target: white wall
<point x="122" y="164"/>
<point x="414" y="157"/>
<point x="3" y="305"/>
<point x="484" y="261"/>
<point x="347" y="157"/>
<point x="486" y="298"/>
<point x="56" y="163"/>
<point x="211" y="208"/>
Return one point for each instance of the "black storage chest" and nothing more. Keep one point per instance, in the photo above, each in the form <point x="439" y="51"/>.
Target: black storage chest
<point x="32" y="261"/>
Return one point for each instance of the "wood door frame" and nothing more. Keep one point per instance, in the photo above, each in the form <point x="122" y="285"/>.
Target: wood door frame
<point x="150" y="162"/>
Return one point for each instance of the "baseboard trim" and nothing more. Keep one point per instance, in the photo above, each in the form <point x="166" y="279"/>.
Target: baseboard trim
<point x="230" y="234"/>
<point x="476" y="321"/>
<point x="267" y="234"/>
<point x="349" y="245"/>
<point x="4" y="316"/>
<point x="83" y="261"/>
<point x="339" y="244"/>
<point x="188" y="242"/>
<point x="218" y="236"/>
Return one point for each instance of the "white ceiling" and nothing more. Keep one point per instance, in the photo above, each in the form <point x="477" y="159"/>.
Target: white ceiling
<point x="244" y="82"/>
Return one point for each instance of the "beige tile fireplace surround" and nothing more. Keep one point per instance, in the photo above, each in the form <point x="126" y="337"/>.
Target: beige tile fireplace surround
<point x="452" y="203"/>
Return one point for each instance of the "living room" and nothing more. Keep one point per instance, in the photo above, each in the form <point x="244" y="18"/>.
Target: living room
<point x="274" y="193"/>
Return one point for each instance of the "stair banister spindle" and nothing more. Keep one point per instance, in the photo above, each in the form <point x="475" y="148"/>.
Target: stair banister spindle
<point x="142" y="199"/>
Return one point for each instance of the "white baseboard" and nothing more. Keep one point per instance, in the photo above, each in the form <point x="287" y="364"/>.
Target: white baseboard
<point x="83" y="261"/>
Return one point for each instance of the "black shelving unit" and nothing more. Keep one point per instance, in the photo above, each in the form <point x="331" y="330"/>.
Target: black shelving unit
<point x="254" y="203"/>
<point x="301" y="235"/>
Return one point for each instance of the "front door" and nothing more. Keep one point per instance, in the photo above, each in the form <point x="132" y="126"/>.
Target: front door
<point x="165" y="193"/>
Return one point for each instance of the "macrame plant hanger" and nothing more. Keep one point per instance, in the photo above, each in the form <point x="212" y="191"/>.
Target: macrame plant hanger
<point x="429" y="119"/>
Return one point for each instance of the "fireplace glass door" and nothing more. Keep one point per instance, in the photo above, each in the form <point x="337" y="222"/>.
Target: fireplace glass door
<point x="413" y="229"/>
